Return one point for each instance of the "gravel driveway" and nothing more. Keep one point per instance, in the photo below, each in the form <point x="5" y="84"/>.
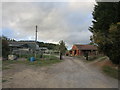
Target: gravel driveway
<point x="71" y="73"/>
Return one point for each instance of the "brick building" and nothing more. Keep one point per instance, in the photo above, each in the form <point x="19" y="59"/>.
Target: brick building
<point x="82" y="49"/>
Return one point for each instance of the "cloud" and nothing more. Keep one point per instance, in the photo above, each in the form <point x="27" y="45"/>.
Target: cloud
<point x="68" y="21"/>
<point x="49" y="0"/>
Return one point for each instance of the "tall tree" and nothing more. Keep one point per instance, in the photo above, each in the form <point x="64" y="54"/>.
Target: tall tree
<point x="106" y="15"/>
<point x="62" y="48"/>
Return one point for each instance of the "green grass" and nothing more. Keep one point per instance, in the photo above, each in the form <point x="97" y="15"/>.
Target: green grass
<point x="32" y="55"/>
<point x="97" y="57"/>
<point x="92" y="58"/>
<point x="8" y="62"/>
<point x="102" y="58"/>
<point x="111" y="72"/>
<point x="43" y="62"/>
<point x="4" y="80"/>
<point x="46" y="60"/>
<point x="5" y="67"/>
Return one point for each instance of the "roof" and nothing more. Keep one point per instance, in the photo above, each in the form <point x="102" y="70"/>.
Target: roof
<point x="15" y="45"/>
<point x="20" y="42"/>
<point x="31" y="45"/>
<point x="86" y="47"/>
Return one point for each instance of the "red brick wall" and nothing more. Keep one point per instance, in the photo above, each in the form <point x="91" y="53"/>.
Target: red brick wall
<point x="73" y="51"/>
<point x="74" y="48"/>
<point x="78" y="52"/>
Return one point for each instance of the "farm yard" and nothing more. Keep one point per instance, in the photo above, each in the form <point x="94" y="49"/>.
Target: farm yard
<point x="69" y="73"/>
<point x="60" y="45"/>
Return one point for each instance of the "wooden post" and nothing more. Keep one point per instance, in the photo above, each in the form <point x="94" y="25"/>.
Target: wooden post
<point x="60" y="56"/>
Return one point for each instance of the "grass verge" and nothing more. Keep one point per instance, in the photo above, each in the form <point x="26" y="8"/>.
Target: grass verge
<point x="111" y="71"/>
<point x="43" y="62"/>
<point x="102" y="58"/>
<point x="99" y="58"/>
<point x="5" y="67"/>
<point x="92" y="58"/>
<point x="47" y="60"/>
<point x="4" y="80"/>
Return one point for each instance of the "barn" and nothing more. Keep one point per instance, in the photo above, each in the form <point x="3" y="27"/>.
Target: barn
<point x="78" y="50"/>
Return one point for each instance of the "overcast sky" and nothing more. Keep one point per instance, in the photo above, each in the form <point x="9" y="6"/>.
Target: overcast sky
<point x="68" y="21"/>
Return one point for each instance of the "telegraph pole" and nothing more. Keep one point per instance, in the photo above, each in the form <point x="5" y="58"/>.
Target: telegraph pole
<point x="35" y="41"/>
<point x="36" y="34"/>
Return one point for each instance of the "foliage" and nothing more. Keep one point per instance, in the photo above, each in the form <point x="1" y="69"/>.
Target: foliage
<point x="114" y="41"/>
<point x="6" y="38"/>
<point x="50" y="46"/>
<point x="62" y="48"/>
<point x="106" y="31"/>
<point x="5" y="48"/>
<point x="92" y="42"/>
<point x="3" y="80"/>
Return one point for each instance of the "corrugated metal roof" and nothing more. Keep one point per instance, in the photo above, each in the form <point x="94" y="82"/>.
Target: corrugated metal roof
<point x="31" y="45"/>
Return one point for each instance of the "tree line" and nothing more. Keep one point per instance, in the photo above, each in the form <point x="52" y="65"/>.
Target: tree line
<point x="106" y="29"/>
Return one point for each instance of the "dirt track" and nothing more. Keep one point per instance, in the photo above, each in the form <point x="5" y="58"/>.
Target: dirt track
<point x="71" y="73"/>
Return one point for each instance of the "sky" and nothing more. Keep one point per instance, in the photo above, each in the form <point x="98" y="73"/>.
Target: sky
<point x="67" y="21"/>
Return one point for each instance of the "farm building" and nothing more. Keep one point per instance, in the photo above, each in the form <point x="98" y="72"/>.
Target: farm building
<point x="25" y="47"/>
<point x="78" y="50"/>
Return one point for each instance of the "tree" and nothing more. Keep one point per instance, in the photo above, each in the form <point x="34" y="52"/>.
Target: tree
<point x="106" y="15"/>
<point x="62" y="48"/>
<point x="92" y="42"/>
<point x="5" y="47"/>
<point x="114" y="41"/>
<point x="50" y="46"/>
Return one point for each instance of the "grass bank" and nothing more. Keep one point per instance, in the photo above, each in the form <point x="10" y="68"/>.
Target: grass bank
<point x="92" y="57"/>
<point x="96" y="57"/>
<point x="111" y="71"/>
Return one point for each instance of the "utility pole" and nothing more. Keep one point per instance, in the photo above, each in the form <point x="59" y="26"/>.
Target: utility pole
<point x="35" y="41"/>
<point x="36" y="34"/>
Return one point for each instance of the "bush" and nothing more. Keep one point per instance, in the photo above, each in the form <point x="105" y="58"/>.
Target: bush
<point x="5" y="48"/>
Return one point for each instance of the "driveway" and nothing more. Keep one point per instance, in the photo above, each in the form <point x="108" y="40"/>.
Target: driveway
<point x="71" y="73"/>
